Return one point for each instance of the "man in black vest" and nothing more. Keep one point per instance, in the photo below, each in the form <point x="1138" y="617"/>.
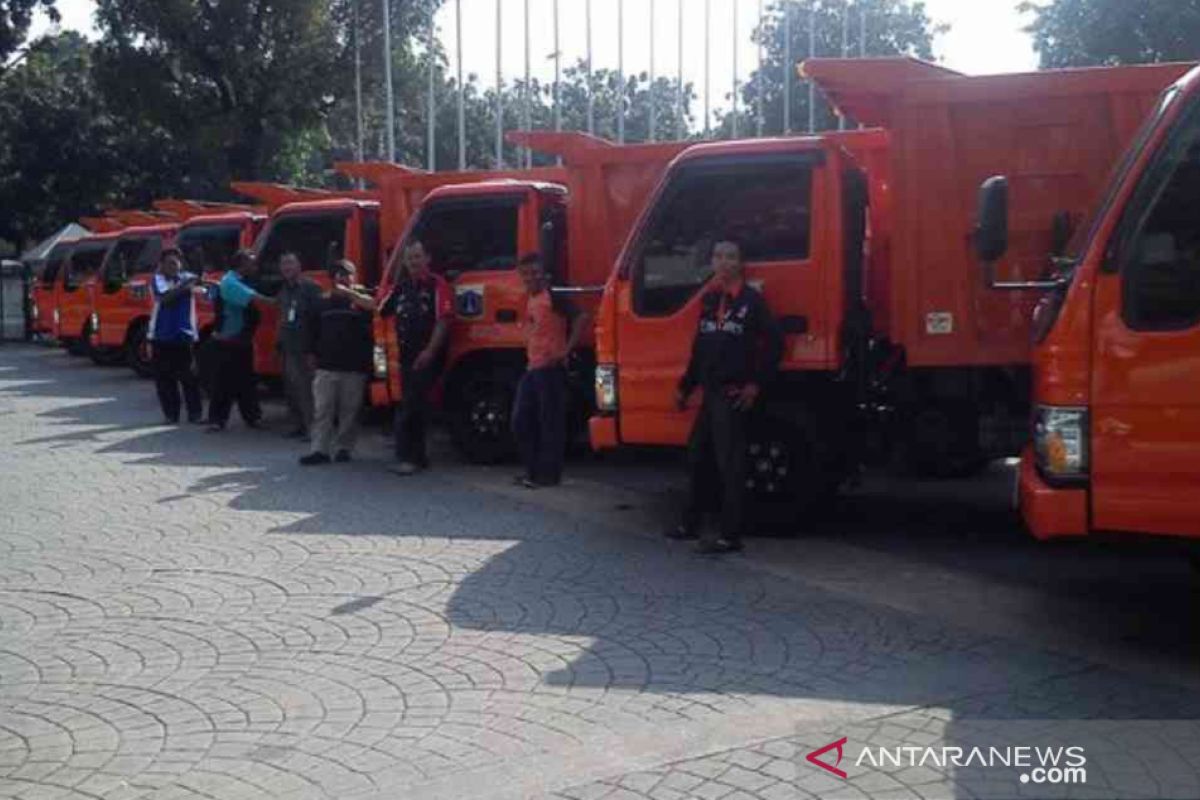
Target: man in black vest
<point x="735" y="353"/>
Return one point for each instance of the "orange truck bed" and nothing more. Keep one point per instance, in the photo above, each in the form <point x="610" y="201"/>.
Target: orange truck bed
<point x="1056" y="135"/>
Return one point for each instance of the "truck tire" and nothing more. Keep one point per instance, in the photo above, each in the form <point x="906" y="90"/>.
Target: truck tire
<point x="137" y="353"/>
<point x="481" y="418"/>
<point x="792" y="474"/>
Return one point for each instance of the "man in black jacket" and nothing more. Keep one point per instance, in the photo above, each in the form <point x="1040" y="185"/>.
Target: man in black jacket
<point x="735" y="353"/>
<point x="339" y="350"/>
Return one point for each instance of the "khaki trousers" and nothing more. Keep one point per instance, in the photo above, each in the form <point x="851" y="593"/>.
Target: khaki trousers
<point x="337" y="401"/>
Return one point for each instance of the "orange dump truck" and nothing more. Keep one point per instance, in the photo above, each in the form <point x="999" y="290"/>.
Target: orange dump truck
<point x="321" y="228"/>
<point x="861" y="242"/>
<point x="476" y="227"/>
<point x="76" y="285"/>
<point x="1116" y="379"/>
<point x="121" y="296"/>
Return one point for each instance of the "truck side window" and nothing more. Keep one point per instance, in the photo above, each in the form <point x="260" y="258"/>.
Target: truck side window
<point x="123" y="261"/>
<point x="1161" y="262"/>
<point x="84" y="263"/>
<point x="764" y="204"/>
<point x="147" y="260"/>
<point x="53" y="265"/>
<point x="465" y="236"/>
<point x="319" y="241"/>
<point x="209" y="248"/>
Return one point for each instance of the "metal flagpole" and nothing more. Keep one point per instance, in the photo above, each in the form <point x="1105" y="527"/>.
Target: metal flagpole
<point x="526" y="120"/>
<point x="387" y="81"/>
<point x="758" y="93"/>
<point x="650" y="94"/>
<point x="812" y="51"/>
<point x="620" y="71"/>
<point x="462" y="114"/>
<point x="862" y="29"/>
<point x="591" y="87"/>
<point x="845" y="49"/>
<point x="499" y="85"/>
<point x="557" y="76"/>
<point x="358" y="113"/>
<point x="787" y="67"/>
<point x="707" y="66"/>
<point x="680" y="131"/>
<point x="735" y="69"/>
<point x="431" y="121"/>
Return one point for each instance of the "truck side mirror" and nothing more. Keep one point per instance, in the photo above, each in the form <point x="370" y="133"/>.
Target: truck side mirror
<point x="991" y="227"/>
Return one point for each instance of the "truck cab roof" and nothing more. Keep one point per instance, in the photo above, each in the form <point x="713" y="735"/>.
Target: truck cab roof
<point x="494" y="187"/>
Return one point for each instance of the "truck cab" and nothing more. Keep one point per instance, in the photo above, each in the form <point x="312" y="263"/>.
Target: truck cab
<point x="320" y="232"/>
<point x="475" y="234"/>
<point x="798" y="209"/>
<point x="123" y="299"/>
<point x="73" y="321"/>
<point x="46" y="288"/>
<point x="1116" y="408"/>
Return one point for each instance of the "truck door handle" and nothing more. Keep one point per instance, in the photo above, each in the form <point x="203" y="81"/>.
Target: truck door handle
<point x="794" y="324"/>
<point x="506" y="315"/>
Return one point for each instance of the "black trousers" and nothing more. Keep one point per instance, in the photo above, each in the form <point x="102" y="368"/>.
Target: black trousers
<point x="413" y="413"/>
<point x="233" y="381"/>
<point x="717" y="464"/>
<point x="539" y="423"/>
<point x="172" y="362"/>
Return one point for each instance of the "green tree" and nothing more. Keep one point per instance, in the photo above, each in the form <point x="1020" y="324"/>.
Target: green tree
<point x="1084" y="33"/>
<point x="63" y="153"/>
<point x="15" y="18"/>
<point x="893" y="28"/>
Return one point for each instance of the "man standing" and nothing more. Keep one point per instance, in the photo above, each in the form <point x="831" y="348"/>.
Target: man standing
<point x="172" y="332"/>
<point x="422" y="305"/>
<point x="232" y="348"/>
<point x="339" y="349"/>
<point x="297" y="300"/>
<point x="539" y="419"/>
<point x="735" y="353"/>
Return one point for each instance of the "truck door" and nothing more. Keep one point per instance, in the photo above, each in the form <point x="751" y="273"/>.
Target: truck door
<point x="474" y="243"/>
<point x="766" y="203"/>
<point x="1145" y="424"/>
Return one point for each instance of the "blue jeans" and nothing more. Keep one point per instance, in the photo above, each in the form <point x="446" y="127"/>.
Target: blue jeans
<point x="539" y="423"/>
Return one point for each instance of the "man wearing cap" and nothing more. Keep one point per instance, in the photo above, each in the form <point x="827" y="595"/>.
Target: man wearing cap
<point x="339" y="350"/>
<point x="172" y="333"/>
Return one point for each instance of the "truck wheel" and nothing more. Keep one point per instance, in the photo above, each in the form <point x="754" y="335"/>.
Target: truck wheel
<point x="137" y="350"/>
<point x="481" y="421"/>
<point x="790" y="474"/>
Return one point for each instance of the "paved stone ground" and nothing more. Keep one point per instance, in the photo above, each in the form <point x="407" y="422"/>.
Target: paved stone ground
<point x="185" y="615"/>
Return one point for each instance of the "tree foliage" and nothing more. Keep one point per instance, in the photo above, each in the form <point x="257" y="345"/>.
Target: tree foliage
<point x="15" y="18"/>
<point x="1079" y="33"/>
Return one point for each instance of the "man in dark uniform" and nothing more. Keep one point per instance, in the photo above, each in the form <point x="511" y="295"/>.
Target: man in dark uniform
<point x="735" y="353"/>
<point x="422" y="304"/>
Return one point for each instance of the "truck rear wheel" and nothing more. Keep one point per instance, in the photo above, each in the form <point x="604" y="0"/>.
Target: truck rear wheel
<point x="791" y="472"/>
<point x="481" y="421"/>
<point x="137" y="350"/>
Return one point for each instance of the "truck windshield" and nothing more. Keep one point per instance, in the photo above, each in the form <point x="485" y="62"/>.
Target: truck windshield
<point x="208" y="248"/>
<point x="318" y="240"/>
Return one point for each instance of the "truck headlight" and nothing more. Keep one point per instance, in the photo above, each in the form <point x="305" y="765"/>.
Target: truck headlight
<point x="1060" y="439"/>
<point x="33" y="310"/>
<point x="54" y="316"/>
<point x="606" y="388"/>
<point x="380" y="360"/>
<point x="95" y="322"/>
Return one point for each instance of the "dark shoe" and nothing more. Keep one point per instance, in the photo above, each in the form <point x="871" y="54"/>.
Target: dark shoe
<point x="313" y="459"/>
<point x="215" y="427"/>
<point x="170" y="420"/>
<point x="296" y="433"/>
<point x="718" y="546"/>
<point x="682" y="532"/>
<point x="404" y="469"/>
<point x="341" y="456"/>
<point x="195" y="420"/>
<point x="256" y="424"/>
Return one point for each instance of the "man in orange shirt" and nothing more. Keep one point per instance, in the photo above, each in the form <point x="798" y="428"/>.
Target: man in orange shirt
<point x="539" y="419"/>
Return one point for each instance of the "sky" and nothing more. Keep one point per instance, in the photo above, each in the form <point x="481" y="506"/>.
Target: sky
<point x="985" y="37"/>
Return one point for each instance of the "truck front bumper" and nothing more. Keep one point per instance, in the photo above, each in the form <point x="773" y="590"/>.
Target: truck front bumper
<point x="1050" y="512"/>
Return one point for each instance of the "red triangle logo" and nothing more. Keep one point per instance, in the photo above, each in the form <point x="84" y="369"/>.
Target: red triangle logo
<point x="815" y="757"/>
